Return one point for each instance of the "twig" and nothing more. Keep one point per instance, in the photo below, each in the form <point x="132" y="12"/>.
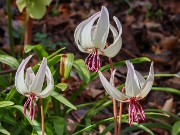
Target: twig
<point x="7" y="71"/>
<point x="42" y="115"/>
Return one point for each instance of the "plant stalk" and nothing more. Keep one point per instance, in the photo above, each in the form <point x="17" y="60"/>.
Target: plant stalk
<point x="120" y="114"/>
<point x="10" y="30"/>
<point x="28" y="30"/>
<point x="114" y="100"/>
<point x="42" y="115"/>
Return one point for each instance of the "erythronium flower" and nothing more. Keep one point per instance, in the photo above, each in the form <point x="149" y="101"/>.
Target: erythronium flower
<point x="92" y="38"/>
<point x="31" y="86"/>
<point x="136" y="88"/>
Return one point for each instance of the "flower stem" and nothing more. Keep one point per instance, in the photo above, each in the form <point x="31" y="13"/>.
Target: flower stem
<point x="42" y="116"/>
<point x="120" y="118"/>
<point x="114" y="102"/>
<point x="120" y="115"/>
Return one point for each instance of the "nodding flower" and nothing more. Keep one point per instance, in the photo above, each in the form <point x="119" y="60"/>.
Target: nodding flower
<point x="31" y="85"/>
<point x="92" y="38"/>
<point x="136" y="88"/>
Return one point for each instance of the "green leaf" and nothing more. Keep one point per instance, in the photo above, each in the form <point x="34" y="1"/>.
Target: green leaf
<point x="21" y="4"/>
<point x="166" y="75"/>
<point x="3" y="130"/>
<point x="9" y="60"/>
<point x="59" y="125"/>
<point x="167" y="89"/>
<point x="61" y="86"/>
<point x="81" y="69"/>
<point x="35" y="8"/>
<point x="39" y="50"/>
<point x="33" y="123"/>
<point x="62" y="100"/>
<point x="176" y="128"/>
<point x="5" y="103"/>
<point x="66" y="65"/>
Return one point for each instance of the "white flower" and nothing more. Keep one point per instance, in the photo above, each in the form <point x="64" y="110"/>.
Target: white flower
<point x="32" y="85"/>
<point x="92" y="38"/>
<point x="136" y="88"/>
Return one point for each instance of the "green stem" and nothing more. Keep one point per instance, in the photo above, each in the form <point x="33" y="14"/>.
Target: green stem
<point x="10" y="30"/>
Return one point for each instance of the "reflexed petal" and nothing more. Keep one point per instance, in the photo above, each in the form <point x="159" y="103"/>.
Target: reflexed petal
<point x="19" y="77"/>
<point x="149" y="82"/>
<point x="29" y="77"/>
<point x="114" y="32"/>
<point x="102" y="29"/>
<point x="77" y="36"/>
<point x="50" y="84"/>
<point x="114" y="48"/>
<point x="85" y="35"/>
<point x="131" y="85"/>
<point x="37" y="83"/>
<point x="112" y="91"/>
<point x="141" y="79"/>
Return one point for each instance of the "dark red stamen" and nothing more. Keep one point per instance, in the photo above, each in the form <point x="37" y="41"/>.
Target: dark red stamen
<point x="93" y="61"/>
<point x="32" y="106"/>
<point x="134" y="106"/>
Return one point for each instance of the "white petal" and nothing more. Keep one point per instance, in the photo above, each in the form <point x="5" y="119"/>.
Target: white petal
<point x="132" y="88"/>
<point x="37" y="83"/>
<point x="112" y="77"/>
<point x="114" y="48"/>
<point x="19" y="77"/>
<point x="50" y="84"/>
<point x="149" y="82"/>
<point x="78" y="32"/>
<point x="85" y="35"/>
<point x="77" y="35"/>
<point x="102" y="29"/>
<point x="29" y="77"/>
<point x="112" y="91"/>
<point x="141" y="79"/>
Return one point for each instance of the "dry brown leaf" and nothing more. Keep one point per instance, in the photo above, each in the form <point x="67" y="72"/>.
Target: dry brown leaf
<point x="102" y="128"/>
<point x="168" y="105"/>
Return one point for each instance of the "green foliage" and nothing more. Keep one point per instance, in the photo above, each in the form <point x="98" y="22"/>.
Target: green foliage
<point x="9" y="60"/>
<point x="35" y="8"/>
<point x="176" y="128"/>
<point x="61" y="86"/>
<point x="5" y="103"/>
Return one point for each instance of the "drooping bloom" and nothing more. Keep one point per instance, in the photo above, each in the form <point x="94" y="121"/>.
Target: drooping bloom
<point x="92" y="38"/>
<point x="32" y="85"/>
<point x="136" y="88"/>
